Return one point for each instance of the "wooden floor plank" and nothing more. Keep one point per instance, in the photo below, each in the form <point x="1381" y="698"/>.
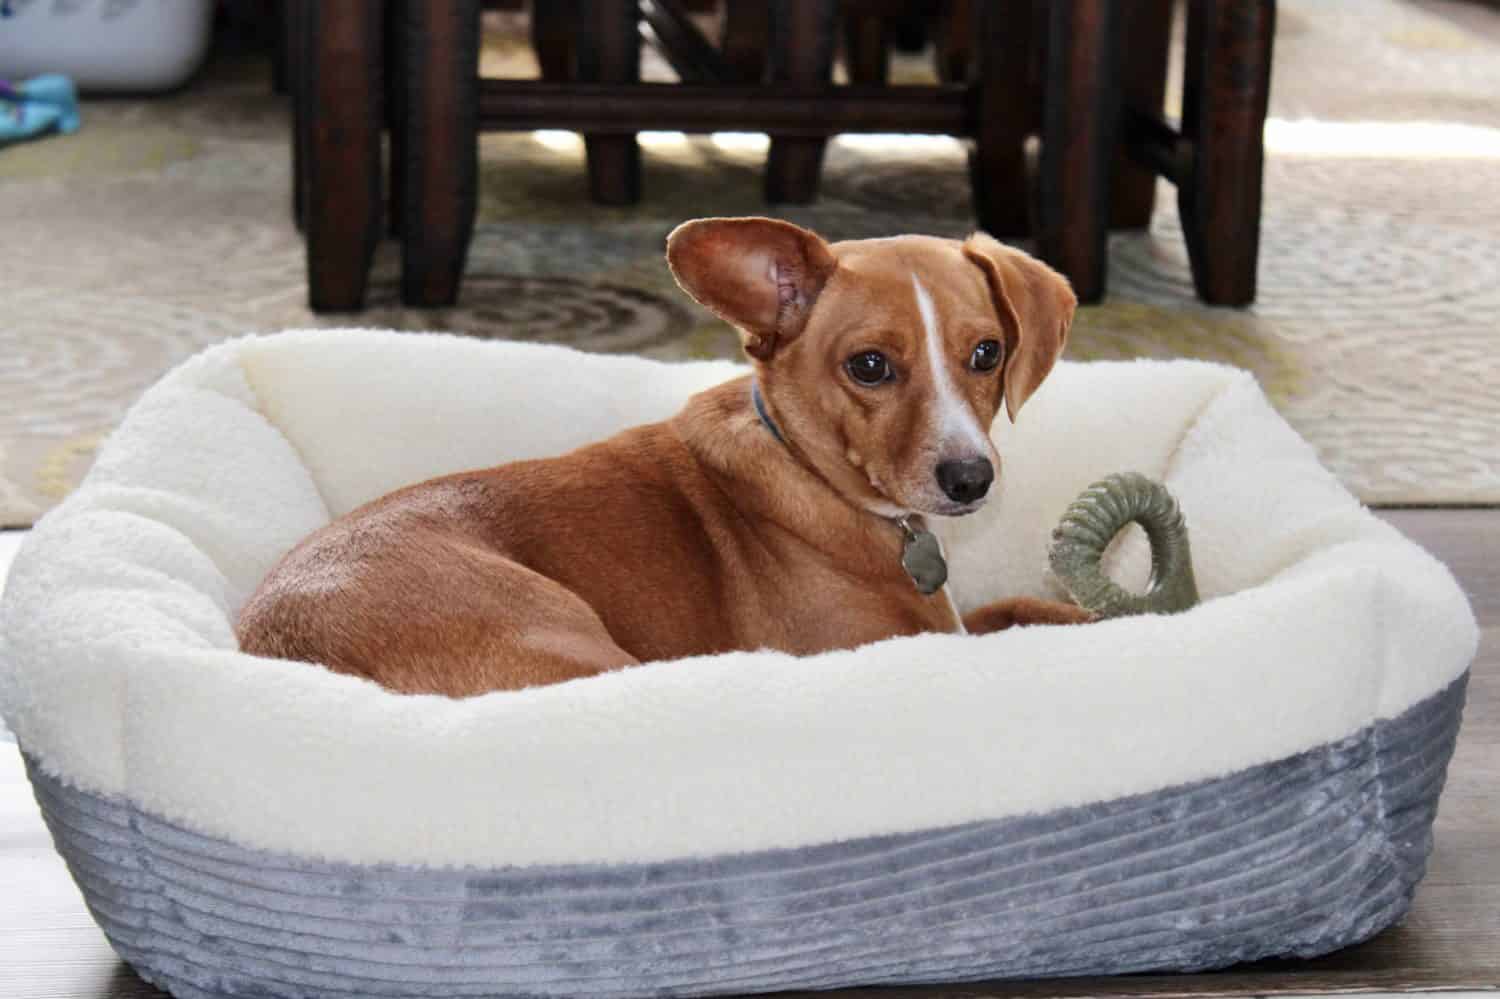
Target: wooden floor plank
<point x="50" y="949"/>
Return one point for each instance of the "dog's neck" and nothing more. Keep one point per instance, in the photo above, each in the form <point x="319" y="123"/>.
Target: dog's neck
<point x="921" y="554"/>
<point x="738" y="444"/>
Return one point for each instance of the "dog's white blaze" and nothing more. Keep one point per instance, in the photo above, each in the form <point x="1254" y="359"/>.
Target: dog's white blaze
<point x="955" y="418"/>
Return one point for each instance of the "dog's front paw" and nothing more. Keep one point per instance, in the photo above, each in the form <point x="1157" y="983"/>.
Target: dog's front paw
<point x="1023" y="611"/>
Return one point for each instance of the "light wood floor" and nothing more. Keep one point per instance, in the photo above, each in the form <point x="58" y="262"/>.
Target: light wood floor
<point x="50" y="949"/>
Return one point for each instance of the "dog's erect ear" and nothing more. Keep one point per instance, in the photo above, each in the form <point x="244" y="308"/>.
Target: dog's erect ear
<point x="1036" y="306"/>
<point x="761" y="275"/>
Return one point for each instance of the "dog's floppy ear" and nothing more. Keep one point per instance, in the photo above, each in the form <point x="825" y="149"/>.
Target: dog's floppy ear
<point x="761" y="275"/>
<point x="1036" y="306"/>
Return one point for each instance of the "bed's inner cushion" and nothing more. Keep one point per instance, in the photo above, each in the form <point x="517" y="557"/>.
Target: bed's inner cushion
<point x="377" y="410"/>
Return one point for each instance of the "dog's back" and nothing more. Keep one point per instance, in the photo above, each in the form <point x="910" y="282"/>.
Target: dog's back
<point x="483" y="580"/>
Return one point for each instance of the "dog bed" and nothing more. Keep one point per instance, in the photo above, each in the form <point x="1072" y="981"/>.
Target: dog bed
<point x="1256" y="776"/>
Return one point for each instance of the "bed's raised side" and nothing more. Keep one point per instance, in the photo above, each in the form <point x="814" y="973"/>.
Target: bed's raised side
<point x="1297" y="857"/>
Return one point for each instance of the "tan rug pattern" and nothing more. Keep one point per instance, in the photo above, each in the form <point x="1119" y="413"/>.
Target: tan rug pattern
<point x="164" y="226"/>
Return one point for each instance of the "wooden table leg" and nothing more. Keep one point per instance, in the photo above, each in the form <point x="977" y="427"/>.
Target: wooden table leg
<point x="1146" y="41"/>
<point x="953" y="45"/>
<point x="746" y="40"/>
<point x="1006" y="37"/>
<point x="342" y="113"/>
<point x="611" y="53"/>
<point x="801" y="53"/>
<point x="294" y="41"/>
<point x="440" y="146"/>
<point x="553" y="25"/>
<point x="280" y="63"/>
<point x="1082" y="105"/>
<point x="394" y="82"/>
<point x="865" y="43"/>
<point x="1225" y="90"/>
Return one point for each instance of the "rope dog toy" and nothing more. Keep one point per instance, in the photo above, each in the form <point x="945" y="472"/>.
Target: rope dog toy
<point x="1091" y="522"/>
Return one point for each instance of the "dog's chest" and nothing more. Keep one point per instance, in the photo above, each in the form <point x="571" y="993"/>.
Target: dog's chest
<point x="816" y="611"/>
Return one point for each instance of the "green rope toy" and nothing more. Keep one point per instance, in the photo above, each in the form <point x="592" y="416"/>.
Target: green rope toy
<point x="1091" y="523"/>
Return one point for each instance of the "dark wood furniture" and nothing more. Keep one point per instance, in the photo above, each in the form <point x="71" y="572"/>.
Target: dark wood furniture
<point x="1085" y="76"/>
<point x="793" y="103"/>
<point x="1094" y="74"/>
<point x="1216" y="159"/>
<point x="334" y="73"/>
<point x="51" y="949"/>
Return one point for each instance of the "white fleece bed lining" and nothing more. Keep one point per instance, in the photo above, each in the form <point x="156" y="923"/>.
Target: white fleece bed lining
<point x="726" y="754"/>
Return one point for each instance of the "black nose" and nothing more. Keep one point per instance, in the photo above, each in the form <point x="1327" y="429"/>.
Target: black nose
<point x="965" y="481"/>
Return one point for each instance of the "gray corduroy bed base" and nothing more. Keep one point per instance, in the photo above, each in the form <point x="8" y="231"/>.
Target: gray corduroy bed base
<point x="1296" y="857"/>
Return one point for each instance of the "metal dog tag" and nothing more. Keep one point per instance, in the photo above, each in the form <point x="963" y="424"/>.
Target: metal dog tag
<point x="922" y="558"/>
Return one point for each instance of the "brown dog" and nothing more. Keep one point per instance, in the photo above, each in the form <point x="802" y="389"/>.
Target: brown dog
<point x="766" y="514"/>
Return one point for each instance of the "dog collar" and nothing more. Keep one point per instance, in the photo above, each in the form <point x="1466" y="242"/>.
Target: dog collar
<point x="759" y="403"/>
<point x="921" y="555"/>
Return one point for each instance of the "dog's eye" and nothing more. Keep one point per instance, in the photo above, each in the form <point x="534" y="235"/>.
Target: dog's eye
<point x="985" y="356"/>
<point x="869" y="367"/>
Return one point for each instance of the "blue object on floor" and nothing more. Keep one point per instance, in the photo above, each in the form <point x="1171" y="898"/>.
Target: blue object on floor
<point x="38" y="106"/>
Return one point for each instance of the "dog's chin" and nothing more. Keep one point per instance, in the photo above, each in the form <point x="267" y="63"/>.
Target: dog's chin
<point x="957" y="509"/>
<point x="927" y="504"/>
<point x="930" y="506"/>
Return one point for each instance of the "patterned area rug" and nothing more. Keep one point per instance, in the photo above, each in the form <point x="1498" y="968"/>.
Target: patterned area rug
<point x="164" y="226"/>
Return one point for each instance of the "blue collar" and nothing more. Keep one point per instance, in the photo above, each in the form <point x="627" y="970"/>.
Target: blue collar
<point x="760" y="410"/>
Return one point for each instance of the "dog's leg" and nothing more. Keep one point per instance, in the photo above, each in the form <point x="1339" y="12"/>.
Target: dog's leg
<point x="1021" y="611"/>
<point x="442" y="615"/>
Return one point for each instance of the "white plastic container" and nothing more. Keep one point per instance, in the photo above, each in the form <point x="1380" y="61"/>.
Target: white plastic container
<point x="106" y="45"/>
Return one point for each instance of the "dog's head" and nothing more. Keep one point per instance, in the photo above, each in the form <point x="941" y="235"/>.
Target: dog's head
<point x="883" y="361"/>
